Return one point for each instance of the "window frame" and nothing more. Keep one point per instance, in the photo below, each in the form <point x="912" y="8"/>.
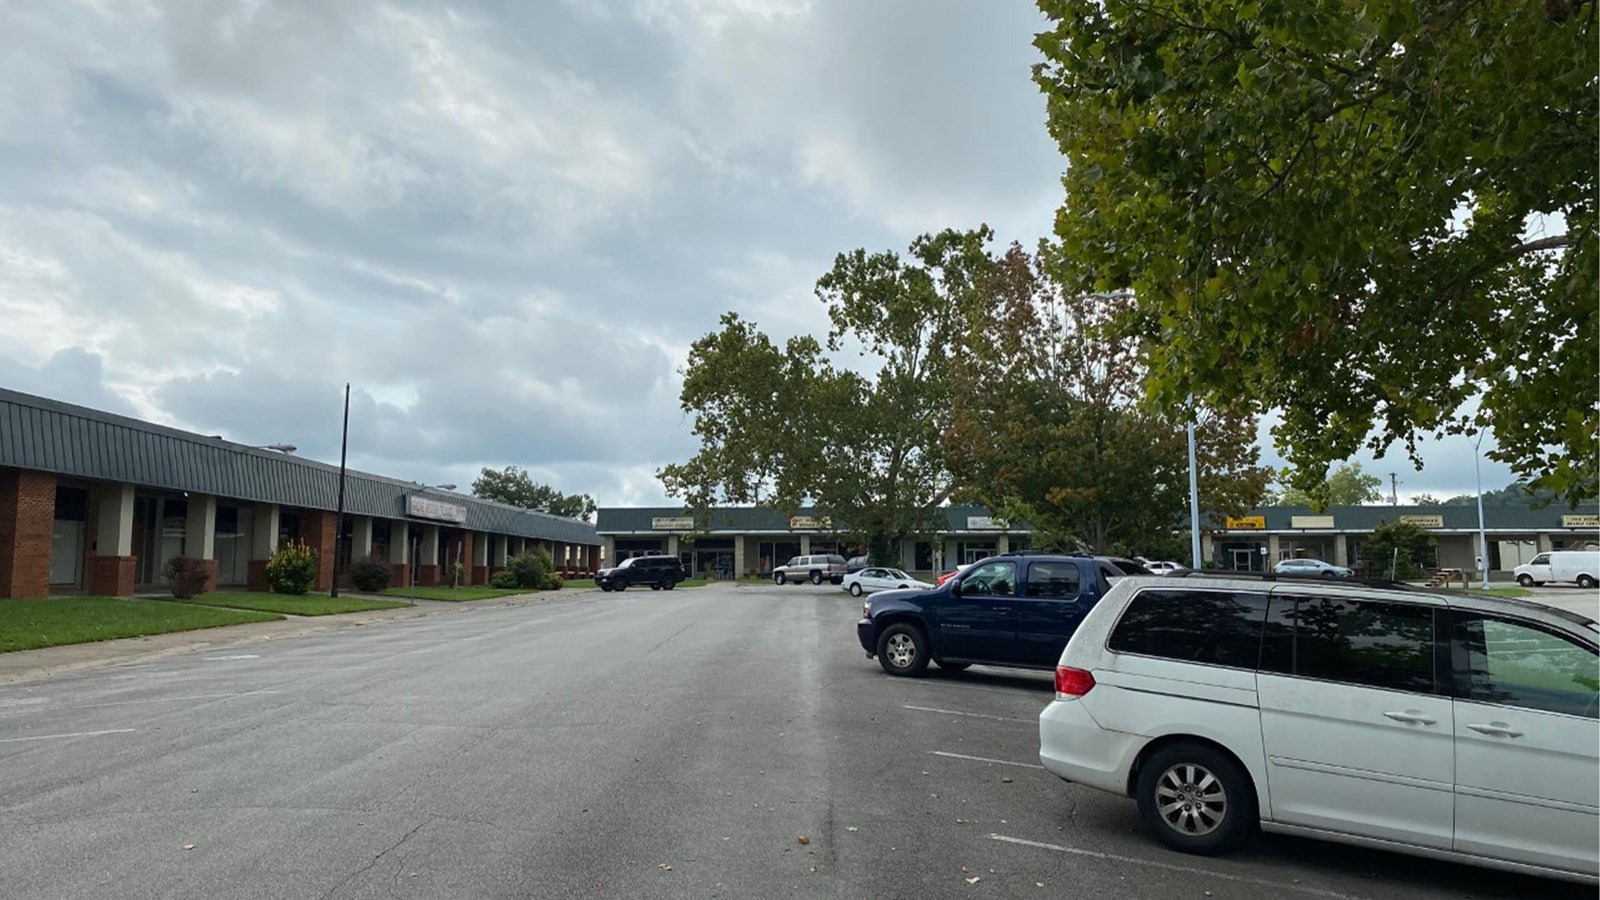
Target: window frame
<point x="1024" y="583"/>
<point x="1460" y="682"/>
<point x="1266" y="600"/>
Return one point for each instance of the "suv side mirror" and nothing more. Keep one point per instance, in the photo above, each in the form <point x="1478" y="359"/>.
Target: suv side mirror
<point x="955" y="588"/>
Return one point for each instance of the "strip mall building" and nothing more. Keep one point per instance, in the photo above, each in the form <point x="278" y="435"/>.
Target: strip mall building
<point x="97" y="503"/>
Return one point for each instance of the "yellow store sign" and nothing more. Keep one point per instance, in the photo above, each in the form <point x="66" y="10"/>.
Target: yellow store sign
<point x="1240" y="523"/>
<point x="1580" y="521"/>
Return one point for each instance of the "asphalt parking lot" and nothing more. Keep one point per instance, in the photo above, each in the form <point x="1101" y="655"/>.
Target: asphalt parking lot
<point x="711" y="742"/>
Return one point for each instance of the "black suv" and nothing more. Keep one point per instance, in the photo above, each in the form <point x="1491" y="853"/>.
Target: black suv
<point x="662" y="573"/>
<point x="1011" y="610"/>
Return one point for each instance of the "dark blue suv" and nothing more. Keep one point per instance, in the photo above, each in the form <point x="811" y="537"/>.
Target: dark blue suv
<point x="1012" y="610"/>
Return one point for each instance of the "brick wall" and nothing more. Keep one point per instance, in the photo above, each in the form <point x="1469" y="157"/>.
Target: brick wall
<point x="318" y="530"/>
<point x="109" y="576"/>
<point x="27" y="519"/>
<point x="467" y="568"/>
<point x="256" y="579"/>
<point x="428" y="575"/>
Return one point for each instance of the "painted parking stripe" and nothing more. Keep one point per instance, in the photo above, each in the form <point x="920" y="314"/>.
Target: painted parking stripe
<point x="167" y="699"/>
<point x="970" y="715"/>
<point x="235" y="656"/>
<point x="1188" y="870"/>
<point x="985" y="759"/>
<point x="51" y="737"/>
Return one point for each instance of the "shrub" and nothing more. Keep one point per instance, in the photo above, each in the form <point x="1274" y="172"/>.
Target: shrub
<point x="292" y="568"/>
<point x="551" y="582"/>
<point x="503" y="579"/>
<point x="370" y="574"/>
<point x="530" y="570"/>
<point x="186" y="576"/>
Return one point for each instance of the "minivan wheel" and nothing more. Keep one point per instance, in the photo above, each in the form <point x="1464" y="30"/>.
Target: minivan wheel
<point x="855" y="589"/>
<point x="1525" y="580"/>
<point x="816" y="577"/>
<point x="778" y="577"/>
<point x="1586" y="582"/>
<point x="902" y="650"/>
<point x="1195" y="799"/>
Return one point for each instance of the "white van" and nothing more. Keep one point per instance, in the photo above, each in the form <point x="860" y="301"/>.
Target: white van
<point x="1446" y="725"/>
<point x="1580" y="567"/>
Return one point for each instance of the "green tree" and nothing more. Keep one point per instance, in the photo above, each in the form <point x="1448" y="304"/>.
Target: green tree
<point x="1401" y="550"/>
<point x="1426" y="500"/>
<point x="514" y="487"/>
<point x="780" y="426"/>
<point x="1364" y="214"/>
<point x="1346" y="485"/>
<point x="1049" y="428"/>
<point x="1517" y="493"/>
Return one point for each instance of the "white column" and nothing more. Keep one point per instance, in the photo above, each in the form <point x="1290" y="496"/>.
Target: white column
<point x="608" y="551"/>
<point x="1002" y="544"/>
<point x="480" y="550"/>
<point x="200" y="530"/>
<point x="264" y="532"/>
<point x="805" y="545"/>
<point x="429" y="553"/>
<point x="739" y="543"/>
<point x="1272" y="551"/>
<point x="114" y="520"/>
<point x="360" y="537"/>
<point x="672" y="545"/>
<point x="502" y="546"/>
<point x="1341" y="550"/>
<point x="399" y="543"/>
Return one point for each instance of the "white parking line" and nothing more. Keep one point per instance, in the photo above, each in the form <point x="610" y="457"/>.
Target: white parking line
<point x="166" y="699"/>
<point x="235" y="656"/>
<point x="49" y="737"/>
<point x="1002" y="762"/>
<point x="1189" y="870"/>
<point x="956" y="712"/>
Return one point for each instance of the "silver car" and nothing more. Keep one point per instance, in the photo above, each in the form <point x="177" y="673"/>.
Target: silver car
<point x="816" y="569"/>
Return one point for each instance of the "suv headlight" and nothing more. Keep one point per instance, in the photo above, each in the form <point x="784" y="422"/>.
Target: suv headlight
<point x="866" y="609"/>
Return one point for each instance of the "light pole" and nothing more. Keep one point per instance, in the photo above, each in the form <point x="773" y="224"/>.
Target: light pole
<point x="1483" y="541"/>
<point x="338" y="517"/>
<point x="1194" y="496"/>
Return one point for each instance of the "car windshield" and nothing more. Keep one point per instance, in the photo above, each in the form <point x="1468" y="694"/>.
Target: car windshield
<point x="627" y="563"/>
<point x="895" y="574"/>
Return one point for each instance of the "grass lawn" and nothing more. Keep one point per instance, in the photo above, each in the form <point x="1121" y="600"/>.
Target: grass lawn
<point x="445" y="592"/>
<point x="304" y="605"/>
<point x="1503" y="591"/>
<point x="26" y="624"/>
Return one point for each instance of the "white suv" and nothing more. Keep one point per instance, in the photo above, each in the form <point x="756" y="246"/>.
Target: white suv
<point x="1453" y="726"/>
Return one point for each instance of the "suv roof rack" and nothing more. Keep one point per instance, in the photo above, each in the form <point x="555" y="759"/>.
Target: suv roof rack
<point x="1292" y="579"/>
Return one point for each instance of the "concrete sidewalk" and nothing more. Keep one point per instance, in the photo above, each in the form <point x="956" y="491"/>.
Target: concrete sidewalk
<point x="33" y="665"/>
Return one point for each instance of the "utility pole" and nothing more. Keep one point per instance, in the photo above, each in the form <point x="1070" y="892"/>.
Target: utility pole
<point x="1394" y="490"/>
<point x="338" y="519"/>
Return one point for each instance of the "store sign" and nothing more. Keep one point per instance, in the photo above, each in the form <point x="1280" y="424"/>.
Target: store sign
<point x="434" y="508"/>
<point x="1580" y="521"/>
<point x="807" y="523"/>
<point x="1424" y="521"/>
<point x="1240" y="523"/>
<point x="672" y="523"/>
<point x="985" y="523"/>
<point x="1311" y="521"/>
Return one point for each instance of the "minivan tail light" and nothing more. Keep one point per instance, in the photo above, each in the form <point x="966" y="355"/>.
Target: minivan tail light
<point x="1072" y="683"/>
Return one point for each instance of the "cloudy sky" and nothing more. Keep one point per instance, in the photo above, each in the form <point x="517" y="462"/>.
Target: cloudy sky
<point x="502" y="222"/>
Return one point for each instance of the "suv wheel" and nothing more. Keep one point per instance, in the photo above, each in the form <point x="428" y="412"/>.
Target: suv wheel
<point x="779" y="578"/>
<point x="619" y="584"/>
<point x="816" y="577"/>
<point x="655" y="587"/>
<point x="902" y="650"/>
<point x="1195" y="799"/>
<point x="669" y="583"/>
<point x="605" y="587"/>
<point x="855" y="589"/>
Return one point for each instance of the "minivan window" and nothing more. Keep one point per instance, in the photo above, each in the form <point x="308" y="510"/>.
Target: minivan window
<point x="1512" y="664"/>
<point x="1367" y="643"/>
<point x="1221" y="628"/>
<point x="995" y="579"/>
<point x="1053" y="580"/>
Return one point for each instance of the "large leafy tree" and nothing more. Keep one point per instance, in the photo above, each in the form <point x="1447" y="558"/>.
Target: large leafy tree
<point x="1368" y="214"/>
<point x="515" y="487"/>
<point x="852" y="426"/>
<point x="1345" y="485"/>
<point x="1050" y="427"/>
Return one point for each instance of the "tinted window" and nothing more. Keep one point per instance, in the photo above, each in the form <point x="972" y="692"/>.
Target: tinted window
<point x="1382" y="645"/>
<point x="1056" y="580"/>
<point x="1542" y="559"/>
<point x="1512" y="664"/>
<point x="1217" y="627"/>
<point x="995" y="579"/>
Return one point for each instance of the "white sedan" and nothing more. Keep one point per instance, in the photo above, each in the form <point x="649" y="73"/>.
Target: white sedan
<point x="879" y="578"/>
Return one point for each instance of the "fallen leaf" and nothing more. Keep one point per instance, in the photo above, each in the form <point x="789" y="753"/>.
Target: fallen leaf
<point x="802" y="840"/>
<point x="1005" y="781"/>
<point x="188" y="846"/>
<point x="664" y="867"/>
<point x="1038" y="884"/>
<point x="851" y="828"/>
<point x="1208" y="893"/>
<point x="974" y="880"/>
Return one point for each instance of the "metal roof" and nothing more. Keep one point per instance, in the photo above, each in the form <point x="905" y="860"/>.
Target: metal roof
<point x="48" y="435"/>
<point x="758" y="519"/>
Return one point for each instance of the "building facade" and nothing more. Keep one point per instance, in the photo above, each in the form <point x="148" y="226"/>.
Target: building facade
<point x="97" y="503"/>
<point x="749" y="541"/>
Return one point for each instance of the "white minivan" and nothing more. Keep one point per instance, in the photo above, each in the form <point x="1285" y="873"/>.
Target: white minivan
<point x="1580" y="567"/>
<point x="1453" y="726"/>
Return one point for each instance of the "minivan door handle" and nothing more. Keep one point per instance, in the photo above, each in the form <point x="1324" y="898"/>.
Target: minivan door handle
<point x="1499" y="729"/>
<point x="1410" y="717"/>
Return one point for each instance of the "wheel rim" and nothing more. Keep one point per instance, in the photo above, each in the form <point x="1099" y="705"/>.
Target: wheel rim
<point x="816" y="579"/>
<point x="1525" y="581"/>
<point x="1191" y="799"/>
<point x="855" y="590"/>
<point x="901" y="650"/>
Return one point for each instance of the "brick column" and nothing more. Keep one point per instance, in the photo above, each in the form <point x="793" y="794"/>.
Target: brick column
<point x="400" y="554"/>
<point x="263" y="543"/>
<point x="319" y="529"/>
<point x="428" y="556"/>
<point x="27" y="522"/>
<point x="478" y="561"/>
<point x="200" y="535"/>
<point x="594" y="560"/>
<point x="109" y="569"/>
<point x="469" y="556"/>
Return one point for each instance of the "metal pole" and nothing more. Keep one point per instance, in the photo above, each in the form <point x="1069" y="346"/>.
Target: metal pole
<point x="1483" y="541"/>
<point x="338" y="526"/>
<point x="1194" y="495"/>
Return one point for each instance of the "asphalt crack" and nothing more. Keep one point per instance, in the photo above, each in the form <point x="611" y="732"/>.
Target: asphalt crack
<point x="376" y="859"/>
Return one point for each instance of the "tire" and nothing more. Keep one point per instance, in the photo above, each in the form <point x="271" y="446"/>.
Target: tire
<point x="606" y="588"/>
<point x="779" y="578"/>
<point x="903" y="650"/>
<point x="655" y="587"/>
<point x="952" y="666"/>
<point x="837" y="579"/>
<point x="1538" y="584"/>
<point x="816" y="577"/>
<point x="855" y="589"/>
<point x="1586" y="582"/>
<point x="669" y="584"/>
<point x="619" y="584"/>
<point x="1221" y="802"/>
<point x="900" y="587"/>
<point x="1327" y="575"/>
<point x="1525" y="580"/>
